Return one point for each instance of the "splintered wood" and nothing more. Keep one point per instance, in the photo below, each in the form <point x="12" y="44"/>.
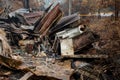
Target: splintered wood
<point x="5" y="48"/>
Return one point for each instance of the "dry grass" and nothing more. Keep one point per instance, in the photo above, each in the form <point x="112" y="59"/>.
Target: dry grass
<point x="109" y="32"/>
<point x="106" y="28"/>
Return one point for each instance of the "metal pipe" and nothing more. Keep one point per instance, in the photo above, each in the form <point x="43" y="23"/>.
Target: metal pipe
<point x="71" y="33"/>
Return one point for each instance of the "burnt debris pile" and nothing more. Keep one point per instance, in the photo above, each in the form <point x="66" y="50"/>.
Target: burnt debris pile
<point x="48" y="45"/>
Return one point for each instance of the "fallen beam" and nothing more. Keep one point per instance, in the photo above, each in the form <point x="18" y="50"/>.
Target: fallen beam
<point x="87" y="56"/>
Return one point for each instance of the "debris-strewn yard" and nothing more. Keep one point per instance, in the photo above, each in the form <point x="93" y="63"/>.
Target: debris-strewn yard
<point x="46" y="45"/>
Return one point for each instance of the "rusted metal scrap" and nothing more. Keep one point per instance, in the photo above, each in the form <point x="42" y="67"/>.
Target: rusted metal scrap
<point x="50" y="18"/>
<point x="74" y="39"/>
<point x="64" y="23"/>
<point x="33" y="14"/>
<point x="66" y="41"/>
<point x="32" y="18"/>
<point x="83" y="40"/>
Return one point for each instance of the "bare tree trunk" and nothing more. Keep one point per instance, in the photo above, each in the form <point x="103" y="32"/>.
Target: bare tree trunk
<point x="99" y="15"/>
<point x="116" y="9"/>
<point x="26" y="4"/>
<point x="70" y="7"/>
